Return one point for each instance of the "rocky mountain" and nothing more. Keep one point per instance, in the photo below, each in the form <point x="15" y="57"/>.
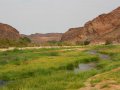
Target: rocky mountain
<point x="8" y="32"/>
<point x="102" y="28"/>
<point x="42" y="38"/>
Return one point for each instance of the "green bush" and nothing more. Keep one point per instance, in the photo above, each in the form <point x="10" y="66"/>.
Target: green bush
<point x="5" y="43"/>
<point x="86" y="42"/>
<point x="108" y="42"/>
<point x="70" y="66"/>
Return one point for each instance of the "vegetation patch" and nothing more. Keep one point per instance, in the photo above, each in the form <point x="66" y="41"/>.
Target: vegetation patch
<point x="51" y="69"/>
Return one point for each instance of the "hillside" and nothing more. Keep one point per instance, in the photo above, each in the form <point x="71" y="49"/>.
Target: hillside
<point x="42" y="38"/>
<point x="102" y="28"/>
<point x="8" y="32"/>
<point x="10" y="37"/>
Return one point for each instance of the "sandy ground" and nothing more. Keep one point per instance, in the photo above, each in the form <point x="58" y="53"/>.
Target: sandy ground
<point x="12" y="48"/>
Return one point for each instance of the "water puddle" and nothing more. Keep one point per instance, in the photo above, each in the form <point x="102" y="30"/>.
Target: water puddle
<point x="84" y="67"/>
<point x="101" y="56"/>
<point x="2" y="83"/>
<point x="92" y="65"/>
<point x="105" y="57"/>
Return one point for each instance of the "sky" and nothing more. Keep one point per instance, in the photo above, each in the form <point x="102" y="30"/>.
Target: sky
<point x="48" y="16"/>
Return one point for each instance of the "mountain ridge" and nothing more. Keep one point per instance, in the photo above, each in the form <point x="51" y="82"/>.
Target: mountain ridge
<point x="95" y="28"/>
<point x="43" y="38"/>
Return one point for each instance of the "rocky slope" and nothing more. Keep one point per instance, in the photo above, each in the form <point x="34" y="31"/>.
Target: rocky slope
<point x="8" y="32"/>
<point x="42" y="38"/>
<point x="102" y="28"/>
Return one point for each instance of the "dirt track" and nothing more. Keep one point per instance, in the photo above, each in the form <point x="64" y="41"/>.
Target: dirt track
<point x="12" y="48"/>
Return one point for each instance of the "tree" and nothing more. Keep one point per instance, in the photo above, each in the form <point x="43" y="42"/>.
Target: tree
<point x="24" y="41"/>
<point x="86" y="42"/>
<point x="108" y="42"/>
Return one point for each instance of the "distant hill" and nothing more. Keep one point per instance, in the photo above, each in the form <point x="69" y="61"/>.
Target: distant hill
<point x="43" y="38"/>
<point x="8" y="32"/>
<point x="10" y="37"/>
<point x="99" y="30"/>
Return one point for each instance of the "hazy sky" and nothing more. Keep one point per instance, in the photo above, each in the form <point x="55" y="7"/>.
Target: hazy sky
<point x="44" y="16"/>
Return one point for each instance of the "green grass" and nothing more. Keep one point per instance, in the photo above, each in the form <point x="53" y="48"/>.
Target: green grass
<point x="109" y="70"/>
<point x="43" y="69"/>
<point x="52" y="69"/>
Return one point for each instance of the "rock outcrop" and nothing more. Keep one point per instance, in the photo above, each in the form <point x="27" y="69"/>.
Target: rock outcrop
<point x="100" y="29"/>
<point x="8" y="32"/>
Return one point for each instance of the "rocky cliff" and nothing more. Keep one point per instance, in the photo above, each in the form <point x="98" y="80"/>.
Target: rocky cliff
<point x="8" y="32"/>
<point x="98" y="30"/>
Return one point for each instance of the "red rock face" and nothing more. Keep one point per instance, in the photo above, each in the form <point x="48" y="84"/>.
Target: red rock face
<point x="8" y="32"/>
<point x="98" y="30"/>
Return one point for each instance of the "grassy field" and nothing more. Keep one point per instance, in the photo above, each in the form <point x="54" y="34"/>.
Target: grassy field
<point x="53" y="69"/>
<point x="109" y="77"/>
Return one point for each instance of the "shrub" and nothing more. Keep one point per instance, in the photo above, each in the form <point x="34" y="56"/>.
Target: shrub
<point x="24" y="41"/>
<point x="86" y="42"/>
<point x="5" y="43"/>
<point x="70" y="66"/>
<point x="79" y="43"/>
<point x="108" y="42"/>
